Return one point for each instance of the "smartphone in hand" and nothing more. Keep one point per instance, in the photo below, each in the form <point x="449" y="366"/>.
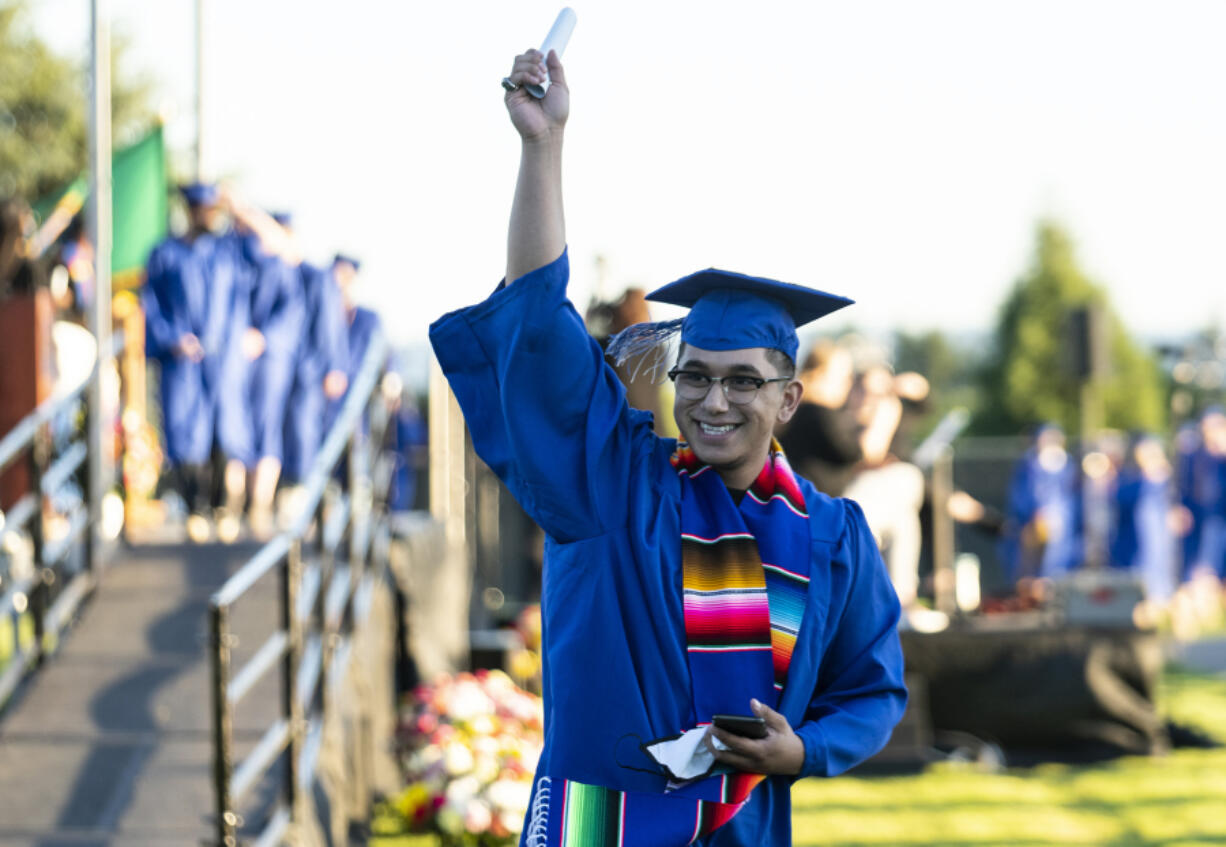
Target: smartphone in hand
<point x="749" y="726"/>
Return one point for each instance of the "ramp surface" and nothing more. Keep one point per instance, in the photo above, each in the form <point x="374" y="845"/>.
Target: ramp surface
<point x="109" y="743"/>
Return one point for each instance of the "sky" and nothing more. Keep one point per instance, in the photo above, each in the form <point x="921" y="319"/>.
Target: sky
<point x="893" y="151"/>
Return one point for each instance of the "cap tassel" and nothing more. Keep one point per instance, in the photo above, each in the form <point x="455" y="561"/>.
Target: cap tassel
<point x="647" y="344"/>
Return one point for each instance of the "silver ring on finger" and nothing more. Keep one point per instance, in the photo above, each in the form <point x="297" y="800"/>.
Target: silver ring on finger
<point x="508" y="85"/>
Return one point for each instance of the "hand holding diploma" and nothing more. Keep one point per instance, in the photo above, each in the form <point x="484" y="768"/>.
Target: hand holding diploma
<point x="537" y="119"/>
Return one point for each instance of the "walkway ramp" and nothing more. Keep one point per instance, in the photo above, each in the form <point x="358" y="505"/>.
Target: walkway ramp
<point x="110" y="743"/>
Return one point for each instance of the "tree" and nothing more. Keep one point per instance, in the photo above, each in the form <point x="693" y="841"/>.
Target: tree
<point x="43" y="102"/>
<point x="1028" y="379"/>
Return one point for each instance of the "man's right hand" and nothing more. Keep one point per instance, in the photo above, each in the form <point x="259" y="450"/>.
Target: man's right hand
<point x="536" y="120"/>
<point x="189" y="348"/>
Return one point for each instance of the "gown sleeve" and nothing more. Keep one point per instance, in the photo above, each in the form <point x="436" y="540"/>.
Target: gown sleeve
<point x="162" y="328"/>
<point x="860" y="694"/>
<point x="546" y="413"/>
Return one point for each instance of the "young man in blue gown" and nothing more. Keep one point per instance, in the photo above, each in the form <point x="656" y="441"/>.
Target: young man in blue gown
<point x="681" y="580"/>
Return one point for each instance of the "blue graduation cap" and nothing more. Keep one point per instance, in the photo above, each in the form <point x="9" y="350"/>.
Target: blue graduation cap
<point x="732" y="311"/>
<point x="347" y="259"/>
<point x="200" y="193"/>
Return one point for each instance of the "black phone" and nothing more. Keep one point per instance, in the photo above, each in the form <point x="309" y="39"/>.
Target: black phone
<point x="749" y="726"/>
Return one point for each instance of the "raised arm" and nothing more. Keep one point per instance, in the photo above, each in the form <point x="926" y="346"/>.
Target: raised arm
<point x="272" y="235"/>
<point x="537" y="233"/>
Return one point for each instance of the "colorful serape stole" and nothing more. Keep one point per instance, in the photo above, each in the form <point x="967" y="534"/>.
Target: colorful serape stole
<point x="591" y="816"/>
<point x="745" y="576"/>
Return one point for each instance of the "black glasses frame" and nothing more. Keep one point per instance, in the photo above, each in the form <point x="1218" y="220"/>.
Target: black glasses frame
<point x="722" y="382"/>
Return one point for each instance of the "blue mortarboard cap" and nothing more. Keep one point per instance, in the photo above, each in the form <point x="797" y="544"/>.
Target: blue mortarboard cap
<point x="732" y="311"/>
<point x="200" y="193"/>
<point x="283" y="218"/>
<point x="347" y="259"/>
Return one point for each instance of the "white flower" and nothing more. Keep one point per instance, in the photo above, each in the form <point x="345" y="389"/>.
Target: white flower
<point x="457" y="758"/>
<point x="477" y="817"/>
<point x="468" y="701"/>
<point x="510" y="796"/>
<point x="461" y="792"/>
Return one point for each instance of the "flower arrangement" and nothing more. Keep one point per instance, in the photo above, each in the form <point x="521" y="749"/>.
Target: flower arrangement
<point x="469" y="745"/>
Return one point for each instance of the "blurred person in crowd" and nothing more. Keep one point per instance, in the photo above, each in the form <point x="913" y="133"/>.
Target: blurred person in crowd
<point x="276" y="316"/>
<point x="662" y="556"/>
<point x="1199" y="602"/>
<point x="407" y="440"/>
<point x="72" y="276"/>
<point x="319" y="377"/>
<point x="194" y="300"/>
<point x="20" y="273"/>
<point x="361" y="325"/>
<point x="822" y="440"/>
<point x="1149" y="523"/>
<point x="1203" y="491"/>
<point x="1042" y="532"/>
<point x="890" y="490"/>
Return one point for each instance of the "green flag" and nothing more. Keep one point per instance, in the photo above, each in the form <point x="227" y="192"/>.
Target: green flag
<point x="139" y="202"/>
<point x="139" y="207"/>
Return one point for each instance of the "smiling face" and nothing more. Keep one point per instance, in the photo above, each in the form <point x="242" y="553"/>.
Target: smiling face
<point x="734" y="439"/>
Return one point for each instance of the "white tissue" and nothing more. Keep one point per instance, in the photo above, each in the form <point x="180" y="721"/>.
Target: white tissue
<point x="688" y="756"/>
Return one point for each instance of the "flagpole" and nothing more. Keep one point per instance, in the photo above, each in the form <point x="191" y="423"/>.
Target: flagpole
<point x="99" y="221"/>
<point x="200" y="173"/>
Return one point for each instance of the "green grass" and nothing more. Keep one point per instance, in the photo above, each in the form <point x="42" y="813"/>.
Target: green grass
<point x="1176" y="800"/>
<point x="1173" y="801"/>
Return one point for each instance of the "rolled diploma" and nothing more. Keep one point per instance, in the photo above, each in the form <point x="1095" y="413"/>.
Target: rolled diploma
<point x="556" y="40"/>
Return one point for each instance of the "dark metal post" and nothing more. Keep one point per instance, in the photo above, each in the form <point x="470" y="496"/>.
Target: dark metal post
<point x="291" y="580"/>
<point x="40" y="586"/>
<point x="227" y="818"/>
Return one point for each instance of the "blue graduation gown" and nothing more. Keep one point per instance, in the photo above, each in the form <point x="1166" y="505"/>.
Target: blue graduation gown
<point x="1143" y="541"/>
<point x="408" y="435"/>
<point x="550" y="418"/>
<point x="1034" y="489"/>
<point x="362" y="326"/>
<point x="196" y="287"/>
<point x="277" y="311"/>
<point x="1202" y="482"/>
<point x="322" y="347"/>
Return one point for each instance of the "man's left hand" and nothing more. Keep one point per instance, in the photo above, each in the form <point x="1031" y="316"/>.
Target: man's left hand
<point x="780" y="752"/>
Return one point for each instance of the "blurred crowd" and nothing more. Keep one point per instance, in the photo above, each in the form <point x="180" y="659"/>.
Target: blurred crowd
<point x="1130" y="505"/>
<point x="256" y="350"/>
<point x="1123" y="508"/>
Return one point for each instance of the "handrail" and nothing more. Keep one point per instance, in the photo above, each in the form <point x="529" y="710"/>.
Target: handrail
<point x="50" y="590"/>
<point x="318" y="559"/>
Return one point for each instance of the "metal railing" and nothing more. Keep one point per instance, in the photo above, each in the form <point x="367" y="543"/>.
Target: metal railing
<point x="41" y="589"/>
<point x="327" y="565"/>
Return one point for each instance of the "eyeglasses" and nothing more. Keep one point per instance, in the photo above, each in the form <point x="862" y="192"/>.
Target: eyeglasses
<point x="693" y="385"/>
